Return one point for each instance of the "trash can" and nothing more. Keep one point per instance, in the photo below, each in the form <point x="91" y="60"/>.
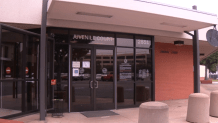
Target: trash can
<point x="58" y="108"/>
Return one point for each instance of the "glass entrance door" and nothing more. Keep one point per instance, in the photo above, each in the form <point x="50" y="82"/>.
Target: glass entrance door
<point x="92" y="85"/>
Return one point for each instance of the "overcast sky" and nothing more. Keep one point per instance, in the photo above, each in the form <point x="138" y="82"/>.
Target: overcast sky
<point x="210" y="6"/>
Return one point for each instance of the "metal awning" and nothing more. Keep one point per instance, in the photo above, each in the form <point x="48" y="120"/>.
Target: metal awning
<point x="131" y="13"/>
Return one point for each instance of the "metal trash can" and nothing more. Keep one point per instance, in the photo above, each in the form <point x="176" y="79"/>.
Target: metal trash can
<point x="58" y="108"/>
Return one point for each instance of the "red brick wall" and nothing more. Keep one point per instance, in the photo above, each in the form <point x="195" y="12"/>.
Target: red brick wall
<point x="173" y="72"/>
<point x="202" y="78"/>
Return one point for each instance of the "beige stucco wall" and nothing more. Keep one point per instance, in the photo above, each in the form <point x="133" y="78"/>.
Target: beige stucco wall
<point x="29" y="12"/>
<point x="21" y="11"/>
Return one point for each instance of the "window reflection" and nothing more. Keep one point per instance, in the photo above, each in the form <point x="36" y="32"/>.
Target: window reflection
<point x="125" y="64"/>
<point x="125" y="40"/>
<point x="125" y="77"/>
<point x="143" y="65"/>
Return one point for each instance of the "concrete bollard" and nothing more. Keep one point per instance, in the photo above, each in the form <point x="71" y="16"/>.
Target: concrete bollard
<point x="153" y="112"/>
<point x="198" y="108"/>
<point x="214" y="103"/>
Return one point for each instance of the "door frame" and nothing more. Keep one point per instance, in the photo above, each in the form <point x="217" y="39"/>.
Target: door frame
<point x="93" y="49"/>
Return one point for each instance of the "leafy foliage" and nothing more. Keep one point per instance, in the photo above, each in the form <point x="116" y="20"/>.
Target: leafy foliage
<point x="211" y="62"/>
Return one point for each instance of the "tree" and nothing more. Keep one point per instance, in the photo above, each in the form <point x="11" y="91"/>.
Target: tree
<point x="211" y="62"/>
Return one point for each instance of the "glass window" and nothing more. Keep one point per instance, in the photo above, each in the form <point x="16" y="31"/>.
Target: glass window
<point x="142" y="92"/>
<point x="61" y="63"/>
<point x="125" y="66"/>
<point x="60" y="35"/>
<point x="143" y="41"/>
<point x="32" y="57"/>
<point x="11" y="57"/>
<point x="143" y="65"/>
<point x="125" y="77"/>
<point x="98" y="38"/>
<point x="125" y="40"/>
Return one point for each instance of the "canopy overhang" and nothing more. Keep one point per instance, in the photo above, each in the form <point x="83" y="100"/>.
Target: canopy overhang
<point x="131" y="13"/>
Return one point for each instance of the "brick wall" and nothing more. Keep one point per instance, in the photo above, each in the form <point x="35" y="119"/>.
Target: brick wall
<point x="173" y="72"/>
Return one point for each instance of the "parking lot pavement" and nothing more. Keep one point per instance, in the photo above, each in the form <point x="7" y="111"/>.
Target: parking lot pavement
<point x="177" y="113"/>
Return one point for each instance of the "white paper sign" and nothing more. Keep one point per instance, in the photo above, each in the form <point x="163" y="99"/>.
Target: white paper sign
<point x="76" y="64"/>
<point x="86" y="64"/>
<point x="75" y="71"/>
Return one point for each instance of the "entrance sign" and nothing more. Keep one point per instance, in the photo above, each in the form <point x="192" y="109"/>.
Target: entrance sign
<point x="86" y="64"/>
<point x="92" y="38"/>
<point x="76" y="64"/>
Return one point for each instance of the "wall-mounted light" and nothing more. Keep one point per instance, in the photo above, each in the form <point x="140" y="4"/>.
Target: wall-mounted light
<point x="179" y="43"/>
<point x="201" y="54"/>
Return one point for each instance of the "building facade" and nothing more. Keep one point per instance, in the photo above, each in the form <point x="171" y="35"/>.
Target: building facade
<point x="103" y="54"/>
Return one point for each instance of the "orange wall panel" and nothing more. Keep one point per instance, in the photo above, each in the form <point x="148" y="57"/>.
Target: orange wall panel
<point x="173" y="72"/>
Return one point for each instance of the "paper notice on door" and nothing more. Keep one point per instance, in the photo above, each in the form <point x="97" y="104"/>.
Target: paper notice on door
<point x="86" y="64"/>
<point x="76" y="64"/>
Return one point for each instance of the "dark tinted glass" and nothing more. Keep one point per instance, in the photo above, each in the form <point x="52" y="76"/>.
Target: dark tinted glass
<point x="11" y="57"/>
<point x="143" y="41"/>
<point x="84" y="37"/>
<point x="81" y="77"/>
<point x="11" y="98"/>
<point x="143" y="65"/>
<point x="125" y="40"/>
<point x="60" y="35"/>
<point x="61" y="63"/>
<point x="142" y="92"/>
<point x="125" y="67"/>
<point x="32" y="57"/>
<point x="104" y="79"/>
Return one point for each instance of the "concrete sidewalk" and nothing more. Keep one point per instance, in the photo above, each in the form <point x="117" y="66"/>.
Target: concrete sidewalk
<point x="177" y="113"/>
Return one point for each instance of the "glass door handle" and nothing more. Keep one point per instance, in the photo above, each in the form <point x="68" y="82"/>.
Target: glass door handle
<point x="91" y="84"/>
<point x="96" y="84"/>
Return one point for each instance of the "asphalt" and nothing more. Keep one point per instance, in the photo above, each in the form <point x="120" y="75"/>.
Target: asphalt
<point x="177" y="113"/>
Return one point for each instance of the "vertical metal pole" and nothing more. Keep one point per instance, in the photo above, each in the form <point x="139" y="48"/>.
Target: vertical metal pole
<point x="43" y="59"/>
<point x="196" y="60"/>
<point x="115" y="71"/>
<point x="69" y="78"/>
<point x="153" y="69"/>
<point x="37" y="77"/>
<point x="1" y="60"/>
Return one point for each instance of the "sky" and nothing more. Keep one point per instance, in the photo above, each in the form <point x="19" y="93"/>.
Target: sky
<point x="210" y="6"/>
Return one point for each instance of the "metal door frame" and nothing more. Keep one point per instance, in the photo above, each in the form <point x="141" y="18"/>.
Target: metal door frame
<point x="93" y="49"/>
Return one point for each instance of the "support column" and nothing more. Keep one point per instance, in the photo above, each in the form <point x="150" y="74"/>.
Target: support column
<point x="196" y="62"/>
<point x="42" y="53"/>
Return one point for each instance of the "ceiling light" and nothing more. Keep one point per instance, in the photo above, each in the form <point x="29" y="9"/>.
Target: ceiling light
<point x="93" y="14"/>
<point x="175" y="25"/>
<point x="179" y="43"/>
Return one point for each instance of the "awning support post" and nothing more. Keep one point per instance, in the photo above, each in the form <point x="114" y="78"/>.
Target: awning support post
<point x="196" y="62"/>
<point x="43" y="67"/>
